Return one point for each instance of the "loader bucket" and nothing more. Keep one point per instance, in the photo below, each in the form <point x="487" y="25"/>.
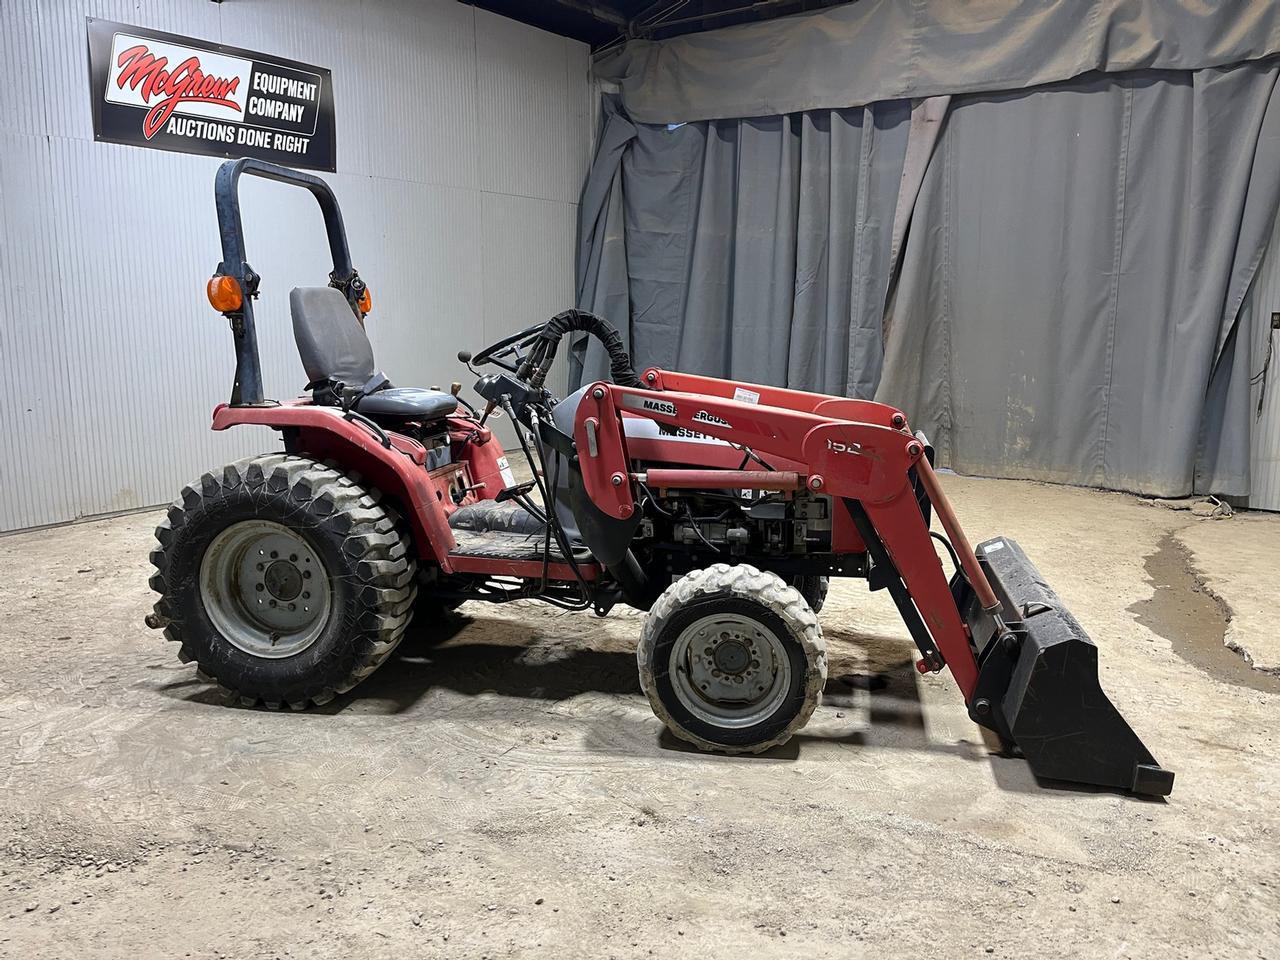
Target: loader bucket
<point x="1038" y="682"/>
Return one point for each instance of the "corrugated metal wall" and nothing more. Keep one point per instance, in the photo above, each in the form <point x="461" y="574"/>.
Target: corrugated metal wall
<point x="463" y="140"/>
<point x="1264" y="299"/>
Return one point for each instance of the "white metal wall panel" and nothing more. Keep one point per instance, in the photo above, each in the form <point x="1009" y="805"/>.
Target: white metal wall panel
<point x="1264" y="478"/>
<point x="425" y="97"/>
<point x="449" y="120"/>
<point x="528" y="261"/>
<point x="534" y="147"/>
<point x="36" y="478"/>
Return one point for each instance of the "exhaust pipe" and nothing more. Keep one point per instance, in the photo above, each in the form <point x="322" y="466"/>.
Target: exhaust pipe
<point x="1038" y="686"/>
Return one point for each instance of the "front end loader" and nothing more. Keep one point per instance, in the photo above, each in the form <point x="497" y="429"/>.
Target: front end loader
<point x="721" y="508"/>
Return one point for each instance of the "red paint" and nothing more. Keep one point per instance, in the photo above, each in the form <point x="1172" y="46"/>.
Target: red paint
<point x="480" y="450"/>
<point x="842" y="407"/>
<point x="959" y="542"/>
<point x="851" y="444"/>
<point x="724" y="479"/>
<point x="398" y="472"/>
<point x="598" y="427"/>
<point x="494" y="567"/>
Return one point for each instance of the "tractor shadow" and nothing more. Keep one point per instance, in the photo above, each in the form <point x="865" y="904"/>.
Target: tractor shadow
<point x="872" y="697"/>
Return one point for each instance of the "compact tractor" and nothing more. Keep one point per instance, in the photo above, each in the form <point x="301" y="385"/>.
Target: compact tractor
<point x="721" y="508"/>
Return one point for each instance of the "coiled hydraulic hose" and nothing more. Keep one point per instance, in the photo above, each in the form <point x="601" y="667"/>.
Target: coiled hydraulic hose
<point x="573" y="321"/>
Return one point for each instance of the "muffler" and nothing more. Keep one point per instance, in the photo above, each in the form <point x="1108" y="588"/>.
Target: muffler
<point x="1038" y="684"/>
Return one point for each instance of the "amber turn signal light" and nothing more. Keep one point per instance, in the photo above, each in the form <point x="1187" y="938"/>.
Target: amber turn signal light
<point x="224" y="294"/>
<point x="366" y="301"/>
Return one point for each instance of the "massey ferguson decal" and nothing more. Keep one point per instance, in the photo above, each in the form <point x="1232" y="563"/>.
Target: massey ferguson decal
<point x="158" y="90"/>
<point x="665" y="407"/>
<point x="704" y="416"/>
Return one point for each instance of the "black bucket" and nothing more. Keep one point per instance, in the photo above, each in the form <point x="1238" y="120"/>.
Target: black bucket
<point x="1038" y="682"/>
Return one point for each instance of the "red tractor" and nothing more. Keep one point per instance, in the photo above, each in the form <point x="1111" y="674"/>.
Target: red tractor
<point x="719" y="507"/>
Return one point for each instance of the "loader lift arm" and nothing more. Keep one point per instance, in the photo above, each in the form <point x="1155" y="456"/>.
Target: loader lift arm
<point x="1032" y="681"/>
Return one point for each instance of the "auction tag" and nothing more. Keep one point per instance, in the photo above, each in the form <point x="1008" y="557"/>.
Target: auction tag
<point x="742" y="395"/>
<point x="504" y="468"/>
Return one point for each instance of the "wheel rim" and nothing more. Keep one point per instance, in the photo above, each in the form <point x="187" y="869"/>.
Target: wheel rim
<point x="729" y="670"/>
<point x="265" y="589"/>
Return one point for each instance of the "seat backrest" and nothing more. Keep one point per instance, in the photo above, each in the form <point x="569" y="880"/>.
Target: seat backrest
<point x="331" y="341"/>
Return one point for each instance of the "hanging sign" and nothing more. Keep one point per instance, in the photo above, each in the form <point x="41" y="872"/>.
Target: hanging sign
<point x="158" y="90"/>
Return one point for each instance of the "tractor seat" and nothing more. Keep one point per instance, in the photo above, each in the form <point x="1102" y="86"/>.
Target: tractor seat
<point x="402" y="404"/>
<point x="338" y="359"/>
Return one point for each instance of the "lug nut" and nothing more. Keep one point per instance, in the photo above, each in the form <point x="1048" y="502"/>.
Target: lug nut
<point x="260" y="588"/>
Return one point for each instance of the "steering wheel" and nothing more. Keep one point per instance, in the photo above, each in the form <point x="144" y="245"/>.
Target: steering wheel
<point x="499" y="352"/>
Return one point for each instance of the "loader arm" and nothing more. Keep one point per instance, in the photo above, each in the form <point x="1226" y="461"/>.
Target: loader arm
<point x="860" y="462"/>
<point x="1027" y="670"/>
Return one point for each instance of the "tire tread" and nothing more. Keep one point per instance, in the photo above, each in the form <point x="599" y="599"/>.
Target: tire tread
<point x="375" y="545"/>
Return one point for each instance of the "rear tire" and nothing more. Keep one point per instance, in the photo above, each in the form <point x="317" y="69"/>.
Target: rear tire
<point x="732" y="659"/>
<point x="283" y="579"/>
<point x="813" y="589"/>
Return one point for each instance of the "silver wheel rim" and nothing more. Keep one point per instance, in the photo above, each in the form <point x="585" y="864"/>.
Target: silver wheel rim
<point x="265" y="589"/>
<point x="729" y="671"/>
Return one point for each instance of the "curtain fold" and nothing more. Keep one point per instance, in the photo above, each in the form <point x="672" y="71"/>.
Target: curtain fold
<point x="877" y="50"/>
<point x="756" y="248"/>
<point x="1076" y="265"/>
<point x="1048" y="281"/>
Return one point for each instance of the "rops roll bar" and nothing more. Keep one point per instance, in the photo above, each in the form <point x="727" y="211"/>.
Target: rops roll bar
<point x="247" y="390"/>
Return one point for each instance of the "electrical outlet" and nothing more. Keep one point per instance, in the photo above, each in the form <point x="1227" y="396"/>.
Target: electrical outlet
<point x="1275" y="321"/>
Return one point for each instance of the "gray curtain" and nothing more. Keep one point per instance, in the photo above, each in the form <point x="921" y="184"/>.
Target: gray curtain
<point x="755" y="248"/>
<point x="876" y="50"/>
<point x="1068" y="307"/>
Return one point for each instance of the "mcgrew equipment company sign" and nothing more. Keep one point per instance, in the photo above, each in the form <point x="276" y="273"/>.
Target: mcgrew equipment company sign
<point x="158" y="90"/>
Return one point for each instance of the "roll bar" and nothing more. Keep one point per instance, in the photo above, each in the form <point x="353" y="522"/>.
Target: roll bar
<point x="247" y="389"/>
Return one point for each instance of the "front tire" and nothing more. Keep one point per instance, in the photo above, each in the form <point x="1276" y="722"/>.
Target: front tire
<point x="732" y="659"/>
<point x="284" y="580"/>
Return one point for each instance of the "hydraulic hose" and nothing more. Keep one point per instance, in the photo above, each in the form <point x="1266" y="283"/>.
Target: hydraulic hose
<point x="574" y="321"/>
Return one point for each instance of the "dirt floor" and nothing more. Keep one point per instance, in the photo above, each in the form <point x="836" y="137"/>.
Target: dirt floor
<point x="510" y="794"/>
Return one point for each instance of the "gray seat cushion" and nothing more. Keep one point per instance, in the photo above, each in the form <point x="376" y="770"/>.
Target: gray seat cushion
<point x="331" y="341"/>
<point x="407" y="403"/>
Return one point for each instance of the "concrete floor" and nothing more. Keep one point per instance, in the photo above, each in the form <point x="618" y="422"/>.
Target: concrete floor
<point x="511" y="795"/>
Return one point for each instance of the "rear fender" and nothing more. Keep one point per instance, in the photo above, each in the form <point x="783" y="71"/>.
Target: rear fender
<point x="397" y="470"/>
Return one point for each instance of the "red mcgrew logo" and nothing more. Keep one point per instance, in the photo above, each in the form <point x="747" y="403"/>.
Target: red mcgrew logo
<point x="185" y="82"/>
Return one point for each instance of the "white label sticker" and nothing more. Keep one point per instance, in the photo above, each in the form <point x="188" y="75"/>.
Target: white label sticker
<point x="993" y="547"/>
<point x="504" y="468"/>
<point x="743" y="395"/>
